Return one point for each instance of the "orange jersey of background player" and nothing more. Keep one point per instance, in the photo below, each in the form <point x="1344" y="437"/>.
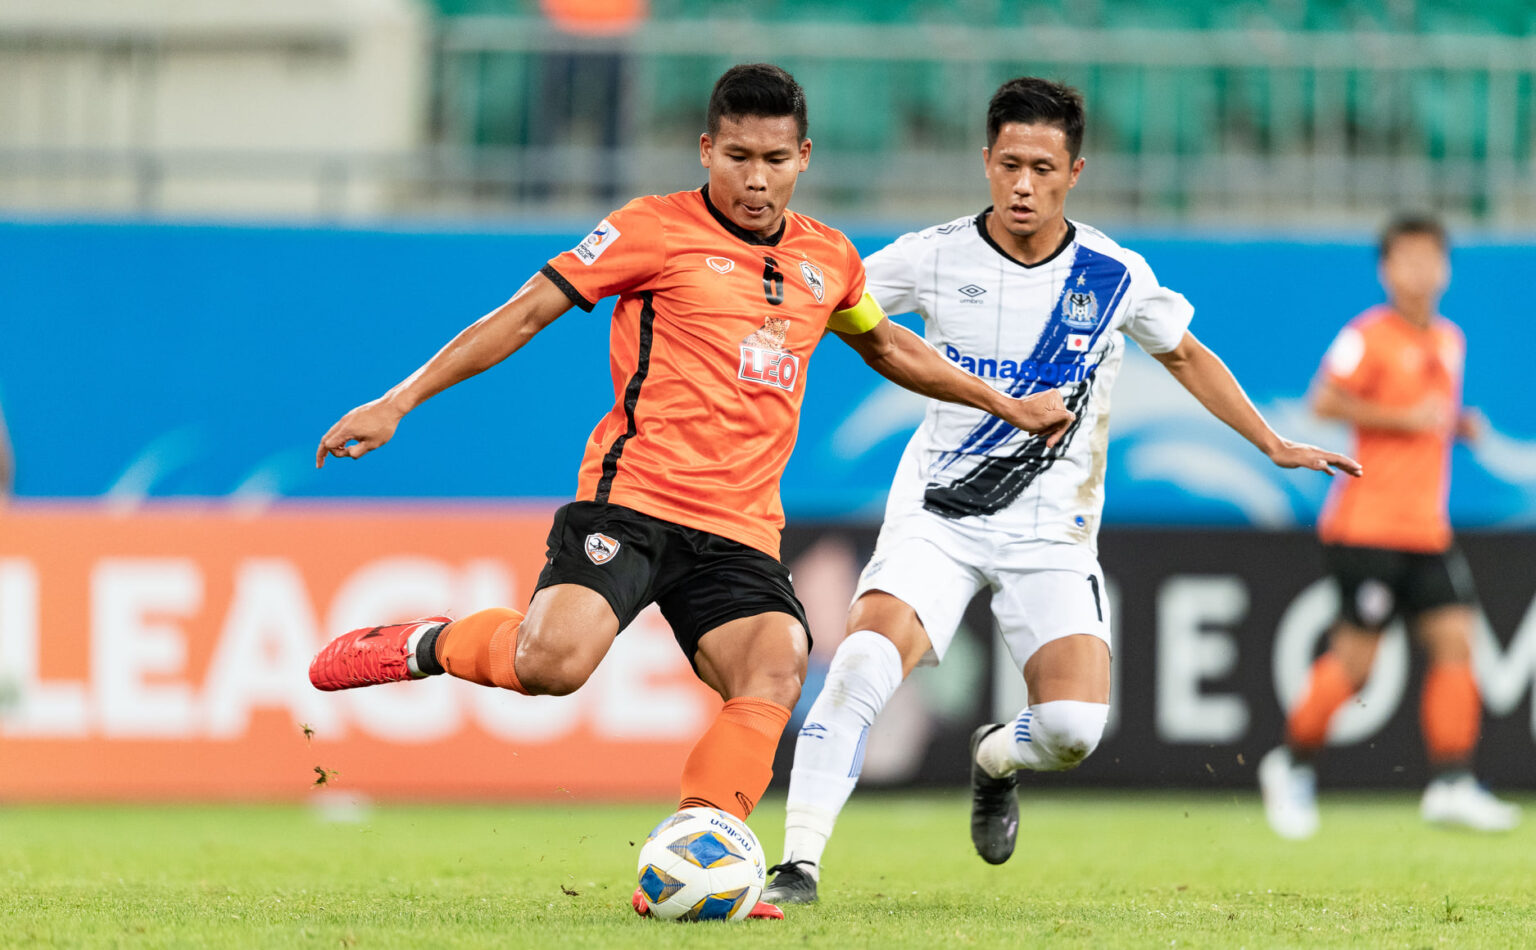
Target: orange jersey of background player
<point x="711" y="337"/>
<point x="1401" y="502"/>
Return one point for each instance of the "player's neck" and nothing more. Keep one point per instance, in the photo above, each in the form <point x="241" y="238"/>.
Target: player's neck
<point x="1028" y="248"/>
<point x="1420" y="313"/>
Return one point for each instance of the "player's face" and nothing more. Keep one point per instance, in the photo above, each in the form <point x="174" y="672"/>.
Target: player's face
<point x="1415" y="270"/>
<point x="1030" y="171"/>
<point x="753" y="162"/>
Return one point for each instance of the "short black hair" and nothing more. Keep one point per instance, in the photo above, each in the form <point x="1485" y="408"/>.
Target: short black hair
<point x="1030" y="100"/>
<point x="757" y="89"/>
<point x="1411" y="223"/>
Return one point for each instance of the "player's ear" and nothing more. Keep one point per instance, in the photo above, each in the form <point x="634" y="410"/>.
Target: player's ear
<point x="805" y="154"/>
<point x="1077" y="169"/>
<point x="986" y="159"/>
<point x="706" y="146"/>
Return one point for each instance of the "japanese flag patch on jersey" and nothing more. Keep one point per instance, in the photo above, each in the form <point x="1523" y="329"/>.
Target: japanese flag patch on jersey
<point x="1078" y="342"/>
<point x="593" y="245"/>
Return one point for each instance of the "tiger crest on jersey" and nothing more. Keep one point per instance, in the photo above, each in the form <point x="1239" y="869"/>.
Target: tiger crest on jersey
<point x="600" y="548"/>
<point x="764" y="358"/>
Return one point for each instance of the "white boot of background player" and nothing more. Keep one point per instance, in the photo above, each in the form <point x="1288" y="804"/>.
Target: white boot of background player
<point x="1289" y="790"/>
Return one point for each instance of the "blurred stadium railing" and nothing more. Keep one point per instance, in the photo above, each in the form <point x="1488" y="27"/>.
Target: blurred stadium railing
<point x="1299" y="115"/>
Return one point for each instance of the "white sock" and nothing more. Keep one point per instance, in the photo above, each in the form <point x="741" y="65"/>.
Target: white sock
<point x="1045" y="737"/>
<point x="829" y="752"/>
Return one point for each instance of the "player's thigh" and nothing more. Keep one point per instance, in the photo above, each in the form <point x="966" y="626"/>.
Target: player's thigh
<point x="896" y="620"/>
<point x="1056" y="624"/>
<point x="564" y="636"/>
<point x="1442" y="601"/>
<point x="1372" y="584"/>
<point x="762" y="656"/>
<point x="928" y="569"/>
<point x="599" y="573"/>
<point x="734" y="613"/>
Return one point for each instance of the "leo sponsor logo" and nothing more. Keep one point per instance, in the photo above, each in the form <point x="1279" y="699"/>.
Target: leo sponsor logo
<point x="775" y="368"/>
<point x="593" y="245"/>
<point x="720" y="265"/>
<point x="1042" y="370"/>
<point x="764" y="358"/>
<point x="600" y="548"/>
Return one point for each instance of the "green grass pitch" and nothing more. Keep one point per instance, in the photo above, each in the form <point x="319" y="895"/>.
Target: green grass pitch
<point x="1094" y="869"/>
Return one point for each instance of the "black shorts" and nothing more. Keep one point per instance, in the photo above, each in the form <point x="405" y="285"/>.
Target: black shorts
<point x="1378" y="584"/>
<point x="698" y="579"/>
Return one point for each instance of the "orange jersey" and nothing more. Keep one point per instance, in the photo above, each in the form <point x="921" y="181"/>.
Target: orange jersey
<point x="1400" y="502"/>
<point x="711" y="337"/>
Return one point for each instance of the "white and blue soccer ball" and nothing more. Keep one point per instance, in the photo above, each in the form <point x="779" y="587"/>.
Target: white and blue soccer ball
<point x="702" y="864"/>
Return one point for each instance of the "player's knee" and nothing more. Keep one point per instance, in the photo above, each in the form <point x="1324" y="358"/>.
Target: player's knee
<point x="865" y="672"/>
<point x="549" y="673"/>
<point x="779" y="686"/>
<point x="1068" y="731"/>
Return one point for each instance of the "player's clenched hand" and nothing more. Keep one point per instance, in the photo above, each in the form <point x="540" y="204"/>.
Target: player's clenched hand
<point x="1042" y="414"/>
<point x="1301" y="455"/>
<point x="366" y="428"/>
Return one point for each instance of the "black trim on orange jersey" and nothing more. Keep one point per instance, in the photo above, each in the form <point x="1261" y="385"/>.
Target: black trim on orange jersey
<point x="631" y="397"/>
<point x="751" y="237"/>
<point x="558" y="279"/>
<point x="1066" y="242"/>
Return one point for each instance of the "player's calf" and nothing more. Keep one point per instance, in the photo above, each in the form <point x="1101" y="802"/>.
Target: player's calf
<point x="1046" y="737"/>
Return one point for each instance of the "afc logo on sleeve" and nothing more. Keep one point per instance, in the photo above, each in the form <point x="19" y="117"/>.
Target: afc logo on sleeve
<point x="593" y="245"/>
<point x="764" y="358"/>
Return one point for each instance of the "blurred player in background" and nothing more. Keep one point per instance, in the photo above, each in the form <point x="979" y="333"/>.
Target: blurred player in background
<point x="1394" y="376"/>
<point x="722" y="296"/>
<point x="7" y="462"/>
<point x="1028" y="299"/>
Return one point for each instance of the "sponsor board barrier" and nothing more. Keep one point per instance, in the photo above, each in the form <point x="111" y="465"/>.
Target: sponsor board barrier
<point x="160" y="655"/>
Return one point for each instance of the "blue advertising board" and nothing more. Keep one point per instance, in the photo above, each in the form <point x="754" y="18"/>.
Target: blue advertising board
<point x="146" y="361"/>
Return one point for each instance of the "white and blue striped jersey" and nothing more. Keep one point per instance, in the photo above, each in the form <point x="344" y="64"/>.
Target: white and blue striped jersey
<point x="1023" y="328"/>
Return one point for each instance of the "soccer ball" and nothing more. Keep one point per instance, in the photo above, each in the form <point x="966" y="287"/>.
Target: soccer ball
<point x="702" y="864"/>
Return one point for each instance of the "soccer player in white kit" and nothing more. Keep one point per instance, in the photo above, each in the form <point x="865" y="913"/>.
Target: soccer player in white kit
<point x="1027" y="299"/>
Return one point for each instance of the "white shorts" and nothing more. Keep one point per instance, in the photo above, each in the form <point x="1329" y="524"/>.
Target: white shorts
<point x="1041" y="590"/>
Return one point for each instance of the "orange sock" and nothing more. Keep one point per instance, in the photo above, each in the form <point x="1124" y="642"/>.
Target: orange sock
<point x="481" y="647"/>
<point x="731" y="764"/>
<point x="1450" y="714"/>
<point x="1329" y="686"/>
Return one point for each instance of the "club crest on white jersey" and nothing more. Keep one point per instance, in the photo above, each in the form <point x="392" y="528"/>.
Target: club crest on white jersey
<point x="593" y="245"/>
<point x="600" y="548"/>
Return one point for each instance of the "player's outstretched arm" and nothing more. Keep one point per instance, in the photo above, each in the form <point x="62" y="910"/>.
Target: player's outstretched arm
<point x="1332" y="401"/>
<point x="477" y="348"/>
<point x="1207" y="378"/>
<point x="907" y="360"/>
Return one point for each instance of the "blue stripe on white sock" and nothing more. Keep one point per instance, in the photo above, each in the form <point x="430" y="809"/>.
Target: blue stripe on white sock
<point x="1021" y="726"/>
<point x="858" y="754"/>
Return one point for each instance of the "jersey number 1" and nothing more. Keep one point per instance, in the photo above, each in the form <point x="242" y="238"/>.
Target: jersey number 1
<point x="773" y="282"/>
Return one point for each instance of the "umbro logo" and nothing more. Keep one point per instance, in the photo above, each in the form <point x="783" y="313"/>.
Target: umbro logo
<point x="972" y="291"/>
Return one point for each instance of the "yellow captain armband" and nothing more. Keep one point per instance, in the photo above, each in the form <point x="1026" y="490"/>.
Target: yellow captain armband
<point x="859" y="318"/>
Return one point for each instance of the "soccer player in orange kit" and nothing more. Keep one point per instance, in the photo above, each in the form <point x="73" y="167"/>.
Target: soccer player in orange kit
<point x="1394" y="374"/>
<point x="723" y="294"/>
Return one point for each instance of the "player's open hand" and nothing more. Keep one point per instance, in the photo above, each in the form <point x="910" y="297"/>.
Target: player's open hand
<point x="359" y="432"/>
<point x="1300" y="455"/>
<point x="1042" y="413"/>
